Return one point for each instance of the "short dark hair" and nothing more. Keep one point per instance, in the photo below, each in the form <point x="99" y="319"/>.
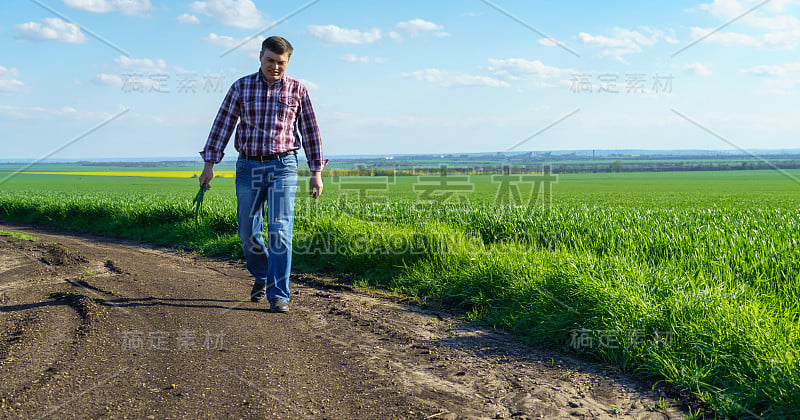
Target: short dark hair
<point x="277" y="44"/>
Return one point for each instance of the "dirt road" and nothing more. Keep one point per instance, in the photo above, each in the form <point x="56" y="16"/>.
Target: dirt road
<point x="92" y="328"/>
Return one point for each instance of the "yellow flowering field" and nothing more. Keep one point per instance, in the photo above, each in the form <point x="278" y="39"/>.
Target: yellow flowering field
<point x="150" y="174"/>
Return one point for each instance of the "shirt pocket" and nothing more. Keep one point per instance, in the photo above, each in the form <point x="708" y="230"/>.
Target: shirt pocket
<point x="287" y="108"/>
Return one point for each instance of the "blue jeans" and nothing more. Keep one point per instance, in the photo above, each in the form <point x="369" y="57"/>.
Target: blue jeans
<point x="273" y="183"/>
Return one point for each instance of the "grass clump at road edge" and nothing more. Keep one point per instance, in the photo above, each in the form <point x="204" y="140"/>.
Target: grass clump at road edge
<point x="17" y="235"/>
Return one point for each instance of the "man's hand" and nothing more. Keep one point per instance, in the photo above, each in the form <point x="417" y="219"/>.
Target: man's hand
<point x="207" y="175"/>
<point x="315" y="185"/>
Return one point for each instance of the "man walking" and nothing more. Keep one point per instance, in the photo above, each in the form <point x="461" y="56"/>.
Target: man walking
<point x="271" y="109"/>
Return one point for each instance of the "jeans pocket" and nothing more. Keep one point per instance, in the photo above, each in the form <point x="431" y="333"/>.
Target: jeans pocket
<point x="241" y="167"/>
<point x="289" y="160"/>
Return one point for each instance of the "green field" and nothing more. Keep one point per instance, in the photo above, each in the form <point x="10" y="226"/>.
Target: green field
<point x="688" y="277"/>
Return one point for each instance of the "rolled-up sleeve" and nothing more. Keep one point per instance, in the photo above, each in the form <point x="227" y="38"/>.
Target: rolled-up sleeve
<point x="223" y="126"/>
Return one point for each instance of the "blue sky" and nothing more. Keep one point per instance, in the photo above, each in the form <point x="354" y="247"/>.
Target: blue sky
<point x="85" y="79"/>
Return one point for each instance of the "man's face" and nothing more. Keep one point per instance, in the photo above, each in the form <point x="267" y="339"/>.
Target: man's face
<point x="273" y="65"/>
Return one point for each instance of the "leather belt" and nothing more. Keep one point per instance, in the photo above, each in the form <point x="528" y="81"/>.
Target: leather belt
<point x="269" y="157"/>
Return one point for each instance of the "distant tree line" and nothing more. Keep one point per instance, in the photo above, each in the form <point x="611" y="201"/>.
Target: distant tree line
<point x="619" y="166"/>
<point x="565" y="168"/>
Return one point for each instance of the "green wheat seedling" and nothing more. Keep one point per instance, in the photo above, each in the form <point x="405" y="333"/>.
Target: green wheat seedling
<point x="198" y="201"/>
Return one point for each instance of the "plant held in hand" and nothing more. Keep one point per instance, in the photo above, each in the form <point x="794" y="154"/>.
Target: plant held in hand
<point x="198" y="201"/>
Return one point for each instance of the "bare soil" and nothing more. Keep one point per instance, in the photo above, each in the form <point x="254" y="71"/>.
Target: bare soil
<point x="94" y="328"/>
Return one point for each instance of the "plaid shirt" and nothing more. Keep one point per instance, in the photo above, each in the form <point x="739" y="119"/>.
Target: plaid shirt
<point x="270" y="116"/>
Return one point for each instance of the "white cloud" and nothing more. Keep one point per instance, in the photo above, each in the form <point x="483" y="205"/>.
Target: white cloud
<point x="781" y="70"/>
<point x="144" y="65"/>
<point x="779" y="79"/>
<point x="127" y="7"/>
<point x="548" y="42"/>
<point x="308" y="84"/>
<point x="352" y="58"/>
<point x="42" y="113"/>
<point x="252" y="45"/>
<point x="520" y="68"/>
<point x="670" y="37"/>
<point x="337" y="35"/>
<point x="696" y="69"/>
<point x="730" y="9"/>
<point x="623" y="41"/>
<point x="8" y="80"/>
<point x="188" y="19"/>
<point x="108" y="80"/>
<point x="134" y="81"/>
<point x="6" y="73"/>
<point x="415" y="26"/>
<point x="528" y="73"/>
<point x="783" y="39"/>
<point x="612" y="47"/>
<point x="237" y="13"/>
<point x="223" y="40"/>
<point x="780" y="6"/>
<point x="500" y="73"/>
<point x="774" y="23"/>
<point x="446" y="78"/>
<point x="51" y="29"/>
<point x="136" y="73"/>
<point x="728" y="39"/>
<point x="724" y="9"/>
<point x="770" y="25"/>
